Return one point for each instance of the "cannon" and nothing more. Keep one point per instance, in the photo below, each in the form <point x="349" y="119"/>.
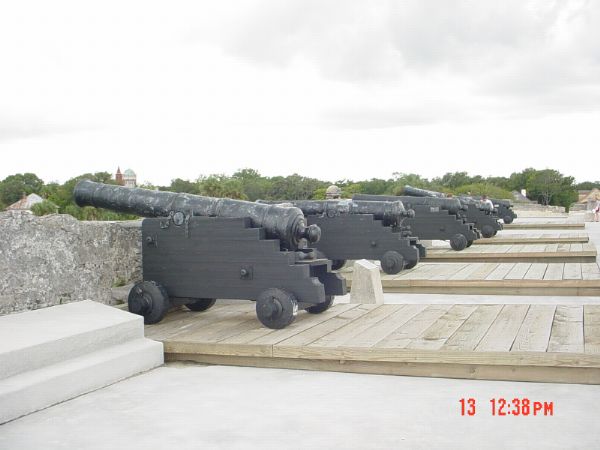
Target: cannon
<point x="435" y="218"/>
<point x="475" y="211"/>
<point x="505" y="211"/>
<point x="197" y="249"/>
<point x="362" y="230"/>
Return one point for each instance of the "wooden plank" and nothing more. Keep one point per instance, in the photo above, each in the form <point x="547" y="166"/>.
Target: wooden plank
<point x="437" y="334"/>
<point x="184" y="320"/>
<point x="500" y="272"/>
<point x="572" y="271"/>
<point x="268" y="336"/>
<point x="467" y="271"/>
<point x="534" y="238"/>
<point x="474" y="370"/>
<point x="381" y="330"/>
<point x="413" y="329"/>
<point x="536" y="271"/>
<point x="544" y="226"/>
<point x="576" y="247"/>
<point x="534" y="334"/>
<point x="503" y="331"/>
<point x="446" y="271"/>
<point x="567" y="330"/>
<point x="473" y="329"/>
<point x="518" y="271"/>
<point x="305" y="337"/>
<point x="590" y="271"/>
<point x="346" y="333"/>
<point x="482" y="273"/>
<point x="554" y="271"/>
<point x="591" y="330"/>
<point x="421" y="272"/>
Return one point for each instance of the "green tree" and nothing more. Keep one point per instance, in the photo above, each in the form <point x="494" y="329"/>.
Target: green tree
<point x="13" y="187"/>
<point x="294" y="187"/>
<point x="254" y="185"/>
<point x="44" y="208"/>
<point x="587" y="185"/>
<point x="221" y="186"/>
<point x="550" y="187"/>
<point x="180" y="185"/>
<point x="479" y="189"/>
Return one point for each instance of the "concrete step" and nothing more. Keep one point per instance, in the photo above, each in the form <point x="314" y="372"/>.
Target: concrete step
<point x="50" y="355"/>
<point x="35" y="339"/>
<point x="28" y="392"/>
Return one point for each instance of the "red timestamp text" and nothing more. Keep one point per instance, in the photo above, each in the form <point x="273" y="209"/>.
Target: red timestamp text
<point x="518" y="407"/>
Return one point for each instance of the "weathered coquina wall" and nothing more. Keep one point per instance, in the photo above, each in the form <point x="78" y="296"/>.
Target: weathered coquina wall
<point x="55" y="259"/>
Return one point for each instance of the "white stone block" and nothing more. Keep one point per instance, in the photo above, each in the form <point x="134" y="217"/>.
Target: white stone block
<point x="366" y="283"/>
<point x="51" y="355"/>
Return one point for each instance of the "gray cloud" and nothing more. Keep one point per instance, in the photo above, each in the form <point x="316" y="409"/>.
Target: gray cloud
<point x="537" y="56"/>
<point x="24" y="128"/>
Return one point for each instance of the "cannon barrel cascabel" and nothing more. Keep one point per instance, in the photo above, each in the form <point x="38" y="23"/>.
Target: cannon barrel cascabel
<point x="284" y="223"/>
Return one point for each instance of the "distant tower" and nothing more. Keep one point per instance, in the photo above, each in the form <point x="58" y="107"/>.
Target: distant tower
<point x="119" y="177"/>
<point x="129" y="178"/>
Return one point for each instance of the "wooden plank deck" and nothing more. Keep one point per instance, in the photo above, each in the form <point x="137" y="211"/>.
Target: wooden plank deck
<point x="573" y="279"/>
<point x="544" y="226"/>
<point x="543" y="343"/>
<point x="538" y="253"/>
<point x="535" y="238"/>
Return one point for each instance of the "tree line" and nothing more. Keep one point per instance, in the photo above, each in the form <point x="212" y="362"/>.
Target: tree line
<point x="548" y="187"/>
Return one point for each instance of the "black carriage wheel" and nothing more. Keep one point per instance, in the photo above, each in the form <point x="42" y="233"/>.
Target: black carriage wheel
<point x="469" y="243"/>
<point x="201" y="304"/>
<point x="508" y="219"/>
<point x="321" y="307"/>
<point x="411" y="264"/>
<point x="148" y="299"/>
<point x="337" y="264"/>
<point x="392" y="262"/>
<point x="458" y="242"/>
<point x="276" y="308"/>
<point x="487" y="231"/>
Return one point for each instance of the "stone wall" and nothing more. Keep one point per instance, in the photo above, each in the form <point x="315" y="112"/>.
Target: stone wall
<point x="55" y="259"/>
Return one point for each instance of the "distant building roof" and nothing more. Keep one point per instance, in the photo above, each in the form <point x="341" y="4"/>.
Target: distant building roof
<point x="586" y="196"/>
<point x="129" y="173"/>
<point x="26" y="202"/>
<point x="518" y="197"/>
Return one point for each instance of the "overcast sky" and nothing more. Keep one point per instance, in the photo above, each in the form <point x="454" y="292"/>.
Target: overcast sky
<point x="327" y="89"/>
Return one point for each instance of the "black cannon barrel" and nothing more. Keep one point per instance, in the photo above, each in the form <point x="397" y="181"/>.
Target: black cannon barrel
<point x="467" y="200"/>
<point x="417" y="192"/>
<point x="452" y="205"/>
<point x="464" y="199"/>
<point x="284" y="223"/>
<point x="391" y="212"/>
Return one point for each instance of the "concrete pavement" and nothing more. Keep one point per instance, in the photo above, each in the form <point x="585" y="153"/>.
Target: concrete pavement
<point x="196" y="407"/>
